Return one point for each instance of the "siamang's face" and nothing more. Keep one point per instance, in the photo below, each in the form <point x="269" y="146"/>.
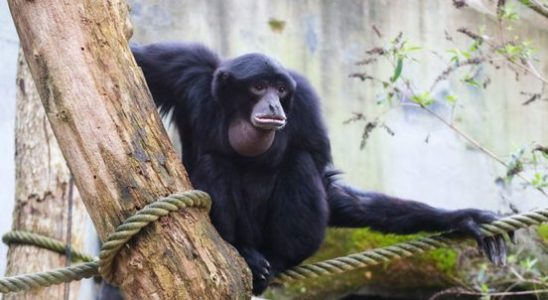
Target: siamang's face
<point x="256" y="93"/>
<point x="260" y="107"/>
<point x="268" y="98"/>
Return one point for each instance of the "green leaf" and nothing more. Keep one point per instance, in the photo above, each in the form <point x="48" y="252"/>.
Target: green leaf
<point x="397" y="71"/>
<point x="539" y="180"/>
<point x="423" y="99"/>
<point x="452" y="99"/>
<point x="471" y="81"/>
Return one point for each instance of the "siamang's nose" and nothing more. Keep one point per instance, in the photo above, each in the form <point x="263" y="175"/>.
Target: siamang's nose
<point x="272" y="107"/>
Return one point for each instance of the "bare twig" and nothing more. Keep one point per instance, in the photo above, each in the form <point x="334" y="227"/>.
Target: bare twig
<point x="459" y="3"/>
<point x="461" y="291"/>
<point x="478" y="38"/>
<point x="445" y="74"/>
<point x="478" y="145"/>
<point x="542" y="149"/>
<point x="537" y="6"/>
<point x="377" y="31"/>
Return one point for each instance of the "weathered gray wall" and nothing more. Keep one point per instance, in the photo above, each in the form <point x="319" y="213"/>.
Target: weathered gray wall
<point x="323" y="40"/>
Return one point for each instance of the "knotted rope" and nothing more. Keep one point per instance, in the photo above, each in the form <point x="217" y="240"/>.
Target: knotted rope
<point x="103" y="265"/>
<point x="151" y="212"/>
<point x="406" y="249"/>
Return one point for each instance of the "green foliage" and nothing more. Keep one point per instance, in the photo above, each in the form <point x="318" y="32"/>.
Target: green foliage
<point x="539" y="180"/>
<point x="509" y="13"/>
<point x="397" y="70"/>
<point x="515" y="164"/>
<point x="451" y="99"/>
<point x="517" y="50"/>
<point x="469" y="80"/>
<point x="529" y="157"/>
<point x="344" y="241"/>
<point x="458" y="54"/>
<point x="542" y="231"/>
<point x="424" y="99"/>
<point x="445" y="260"/>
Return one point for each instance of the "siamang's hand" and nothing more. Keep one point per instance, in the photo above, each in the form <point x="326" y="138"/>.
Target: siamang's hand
<point x="468" y="221"/>
<point x="260" y="268"/>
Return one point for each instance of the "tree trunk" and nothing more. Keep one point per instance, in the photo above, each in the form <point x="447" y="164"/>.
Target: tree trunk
<point x="43" y="194"/>
<point x="110" y="133"/>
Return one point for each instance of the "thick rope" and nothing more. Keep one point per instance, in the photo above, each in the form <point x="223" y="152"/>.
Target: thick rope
<point x="103" y="266"/>
<point x="375" y="256"/>
<point x="197" y="199"/>
<point x="29" y="238"/>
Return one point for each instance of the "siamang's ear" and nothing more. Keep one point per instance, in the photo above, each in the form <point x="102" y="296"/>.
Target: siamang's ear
<point x="292" y="83"/>
<point x="220" y="78"/>
<point x="223" y="75"/>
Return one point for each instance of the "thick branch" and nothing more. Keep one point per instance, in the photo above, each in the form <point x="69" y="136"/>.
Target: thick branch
<point x="111" y="135"/>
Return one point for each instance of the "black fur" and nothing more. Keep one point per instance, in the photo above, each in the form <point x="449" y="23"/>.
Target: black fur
<point x="274" y="208"/>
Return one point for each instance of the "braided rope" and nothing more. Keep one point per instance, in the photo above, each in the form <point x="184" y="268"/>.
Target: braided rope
<point x="375" y="256"/>
<point x="123" y="233"/>
<point x="200" y="199"/>
<point x="33" y="239"/>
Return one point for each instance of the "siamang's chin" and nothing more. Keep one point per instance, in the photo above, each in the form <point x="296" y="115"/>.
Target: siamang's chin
<point x="248" y="139"/>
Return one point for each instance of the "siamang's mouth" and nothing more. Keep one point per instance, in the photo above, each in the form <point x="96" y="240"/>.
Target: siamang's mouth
<point x="268" y="122"/>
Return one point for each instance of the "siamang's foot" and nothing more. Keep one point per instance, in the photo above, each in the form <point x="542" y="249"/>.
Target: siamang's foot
<point x="468" y="221"/>
<point x="260" y="268"/>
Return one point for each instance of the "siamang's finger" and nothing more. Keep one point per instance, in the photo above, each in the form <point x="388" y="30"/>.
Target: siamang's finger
<point x="487" y="249"/>
<point x="491" y="249"/>
<point x="471" y="228"/>
<point x="512" y="237"/>
<point x="502" y="249"/>
<point x="498" y="251"/>
<point x="495" y="251"/>
<point x="266" y="272"/>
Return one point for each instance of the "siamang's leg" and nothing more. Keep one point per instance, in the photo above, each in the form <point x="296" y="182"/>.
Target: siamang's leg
<point x="353" y="208"/>
<point x="217" y="176"/>
<point x="299" y="214"/>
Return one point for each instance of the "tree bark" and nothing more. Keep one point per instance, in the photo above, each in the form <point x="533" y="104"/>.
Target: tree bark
<point x="110" y="133"/>
<point x="43" y="194"/>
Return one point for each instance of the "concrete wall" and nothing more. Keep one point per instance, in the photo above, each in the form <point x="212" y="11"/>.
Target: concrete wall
<point x="323" y="40"/>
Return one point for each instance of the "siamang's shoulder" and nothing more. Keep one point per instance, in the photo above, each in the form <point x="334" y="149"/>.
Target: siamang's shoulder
<point x="306" y="101"/>
<point x="176" y="53"/>
<point x="306" y="122"/>
<point x="177" y="74"/>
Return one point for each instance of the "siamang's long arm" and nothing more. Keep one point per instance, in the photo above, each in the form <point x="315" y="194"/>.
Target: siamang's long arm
<point x="179" y="76"/>
<point x="350" y="207"/>
<point x="380" y="212"/>
<point x="176" y="73"/>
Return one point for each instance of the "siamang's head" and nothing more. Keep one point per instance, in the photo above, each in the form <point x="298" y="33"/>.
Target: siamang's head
<point x="256" y="93"/>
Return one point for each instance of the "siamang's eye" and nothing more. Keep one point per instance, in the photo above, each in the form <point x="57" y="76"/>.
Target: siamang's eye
<point x="282" y="89"/>
<point x="258" y="87"/>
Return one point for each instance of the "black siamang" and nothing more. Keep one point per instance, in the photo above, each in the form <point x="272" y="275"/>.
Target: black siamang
<point x="253" y="138"/>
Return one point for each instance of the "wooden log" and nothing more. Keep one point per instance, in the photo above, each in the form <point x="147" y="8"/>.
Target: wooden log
<point x="44" y="197"/>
